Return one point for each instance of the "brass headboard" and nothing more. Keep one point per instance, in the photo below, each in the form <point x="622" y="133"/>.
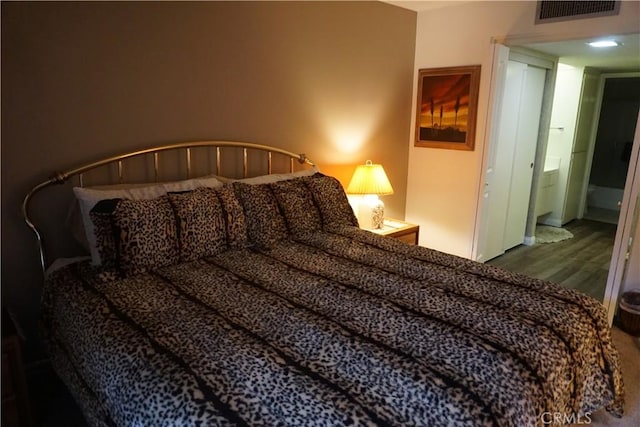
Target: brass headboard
<point x="244" y="147"/>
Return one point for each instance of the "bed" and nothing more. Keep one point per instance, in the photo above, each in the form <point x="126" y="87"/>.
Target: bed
<point x="258" y="301"/>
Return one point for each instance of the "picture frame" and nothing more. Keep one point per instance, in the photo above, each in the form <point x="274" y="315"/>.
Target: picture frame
<point x="447" y="104"/>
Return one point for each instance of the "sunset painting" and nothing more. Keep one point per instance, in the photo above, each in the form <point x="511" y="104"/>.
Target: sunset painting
<point x="446" y="110"/>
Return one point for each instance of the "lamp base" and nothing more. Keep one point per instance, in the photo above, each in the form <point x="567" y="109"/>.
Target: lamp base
<point x="371" y="213"/>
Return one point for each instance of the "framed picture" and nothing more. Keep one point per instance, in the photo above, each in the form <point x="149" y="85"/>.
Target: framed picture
<point x="447" y="107"/>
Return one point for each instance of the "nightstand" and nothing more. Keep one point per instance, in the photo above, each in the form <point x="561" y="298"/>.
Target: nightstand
<point x="400" y="230"/>
<point x="15" y="404"/>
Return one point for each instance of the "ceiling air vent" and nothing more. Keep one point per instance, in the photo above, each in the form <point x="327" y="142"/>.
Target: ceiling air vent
<point x="554" y="11"/>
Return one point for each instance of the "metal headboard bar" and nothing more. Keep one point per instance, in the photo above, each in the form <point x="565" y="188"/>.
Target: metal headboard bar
<point x="156" y="163"/>
<point x="245" y="160"/>
<point x="120" y="172"/>
<point x="217" y="160"/>
<point x="62" y="177"/>
<point x="188" y="163"/>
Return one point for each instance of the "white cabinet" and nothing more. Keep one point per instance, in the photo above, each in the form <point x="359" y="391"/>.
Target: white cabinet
<point x="547" y="192"/>
<point x="572" y="128"/>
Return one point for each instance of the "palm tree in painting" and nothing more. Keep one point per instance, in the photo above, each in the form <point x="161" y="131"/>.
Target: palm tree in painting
<point x="457" y="107"/>
<point x="432" y="108"/>
<point x="440" y="116"/>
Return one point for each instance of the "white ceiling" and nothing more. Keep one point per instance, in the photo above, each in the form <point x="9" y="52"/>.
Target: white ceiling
<point x="420" y="5"/>
<point x="625" y="57"/>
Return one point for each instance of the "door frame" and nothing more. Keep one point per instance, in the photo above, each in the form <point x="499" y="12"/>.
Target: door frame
<point x="628" y="215"/>
<point x="594" y="133"/>
<point x="627" y="223"/>
<point x="499" y="58"/>
<point x="591" y="148"/>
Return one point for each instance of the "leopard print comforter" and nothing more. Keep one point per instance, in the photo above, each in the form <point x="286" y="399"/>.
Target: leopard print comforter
<point x="337" y="327"/>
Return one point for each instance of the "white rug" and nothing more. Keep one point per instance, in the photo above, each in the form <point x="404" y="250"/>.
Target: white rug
<point x="548" y="234"/>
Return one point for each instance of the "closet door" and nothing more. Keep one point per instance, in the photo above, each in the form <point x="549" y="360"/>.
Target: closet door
<point x="515" y="152"/>
<point x="505" y="151"/>
<point x="514" y="125"/>
<point x="525" y="138"/>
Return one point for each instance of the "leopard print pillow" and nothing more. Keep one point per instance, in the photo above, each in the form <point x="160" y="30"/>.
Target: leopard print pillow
<point x="106" y="243"/>
<point x="234" y="214"/>
<point x="331" y="200"/>
<point x="297" y="206"/>
<point x="265" y="223"/>
<point x="201" y="223"/>
<point x="147" y="235"/>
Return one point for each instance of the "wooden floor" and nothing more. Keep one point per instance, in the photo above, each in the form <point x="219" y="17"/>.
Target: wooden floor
<point x="581" y="263"/>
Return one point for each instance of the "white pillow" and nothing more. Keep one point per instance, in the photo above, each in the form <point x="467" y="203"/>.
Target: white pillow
<point x="173" y="186"/>
<point x="191" y="184"/>
<point x="275" y="177"/>
<point x="88" y="197"/>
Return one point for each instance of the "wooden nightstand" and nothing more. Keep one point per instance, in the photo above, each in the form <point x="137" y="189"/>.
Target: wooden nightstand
<point x="400" y="230"/>
<point x="15" y="403"/>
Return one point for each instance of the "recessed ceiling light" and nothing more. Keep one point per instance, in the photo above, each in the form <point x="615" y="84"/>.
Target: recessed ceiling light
<point x="603" y="43"/>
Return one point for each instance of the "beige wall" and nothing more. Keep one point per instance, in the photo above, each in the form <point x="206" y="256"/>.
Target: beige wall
<point x="443" y="185"/>
<point x="83" y="80"/>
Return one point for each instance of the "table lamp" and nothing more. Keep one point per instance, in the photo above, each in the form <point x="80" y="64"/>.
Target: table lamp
<point x="370" y="181"/>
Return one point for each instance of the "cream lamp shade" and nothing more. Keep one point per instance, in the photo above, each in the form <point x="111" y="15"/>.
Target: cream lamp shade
<point x="370" y="181"/>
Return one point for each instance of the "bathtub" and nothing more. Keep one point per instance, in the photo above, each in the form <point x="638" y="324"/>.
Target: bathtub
<point x="604" y="197"/>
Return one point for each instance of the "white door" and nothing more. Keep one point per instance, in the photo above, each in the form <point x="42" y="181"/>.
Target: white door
<point x="524" y="151"/>
<point x="509" y="171"/>
<point x="507" y="142"/>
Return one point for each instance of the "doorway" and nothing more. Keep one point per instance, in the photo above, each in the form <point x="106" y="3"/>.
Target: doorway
<point x="484" y="233"/>
<point x="612" y="148"/>
<point x="596" y="154"/>
<point x="513" y="166"/>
